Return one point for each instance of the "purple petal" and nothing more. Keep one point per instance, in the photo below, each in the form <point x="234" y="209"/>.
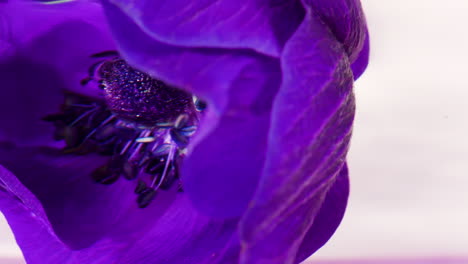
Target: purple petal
<point x="346" y="20"/>
<point x="64" y="188"/>
<point x="396" y="260"/>
<point x="220" y="179"/>
<point x="61" y="36"/>
<point x="239" y="86"/>
<point x="157" y="234"/>
<point x="328" y="218"/>
<point x="77" y="220"/>
<point x="182" y="235"/>
<point x="23" y="103"/>
<point x="360" y="64"/>
<point x="27" y="219"/>
<point x="309" y="137"/>
<point x="263" y="26"/>
<point x="36" y="62"/>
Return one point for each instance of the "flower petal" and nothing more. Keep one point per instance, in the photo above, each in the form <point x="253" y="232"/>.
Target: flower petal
<point x="328" y="218"/>
<point x="64" y="188"/>
<point x="76" y="220"/>
<point x="22" y="104"/>
<point x="263" y="26"/>
<point x="239" y="86"/>
<point x="346" y="20"/>
<point x="182" y="235"/>
<point x="27" y="219"/>
<point x="360" y="64"/>
<point x="36" y="63"/>
<point x="309" y="137"/>
<point x="101" y="224"/>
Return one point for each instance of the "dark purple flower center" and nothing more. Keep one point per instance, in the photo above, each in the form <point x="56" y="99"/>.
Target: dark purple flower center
<point x="135" y="96"/>
<point x="143" y="125"/>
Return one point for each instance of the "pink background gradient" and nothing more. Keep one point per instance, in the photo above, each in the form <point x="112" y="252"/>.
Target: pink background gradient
<point x="409" y="154"/>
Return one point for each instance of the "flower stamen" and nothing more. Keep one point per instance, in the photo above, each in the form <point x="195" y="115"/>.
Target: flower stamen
<point x="143" y="126"/>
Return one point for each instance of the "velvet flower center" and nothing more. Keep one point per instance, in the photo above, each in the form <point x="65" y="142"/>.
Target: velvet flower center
<point x="142" y="124"/>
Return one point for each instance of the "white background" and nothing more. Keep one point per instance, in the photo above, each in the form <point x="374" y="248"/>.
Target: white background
<point x="409" y="157"/>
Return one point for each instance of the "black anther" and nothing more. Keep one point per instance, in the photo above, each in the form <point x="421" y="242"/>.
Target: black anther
<point x="181" y="140"/>
<point x="145" y="197"/>
<point x="141" y="186"/>
<point x="130" y="170"/>
<point x="105" y="175"/>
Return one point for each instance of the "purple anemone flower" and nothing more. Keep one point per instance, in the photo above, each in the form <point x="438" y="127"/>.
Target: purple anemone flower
<point x="228" y="121"/>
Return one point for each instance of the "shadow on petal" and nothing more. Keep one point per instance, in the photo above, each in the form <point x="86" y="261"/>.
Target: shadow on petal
<point x="29" y="92"/>
<point x="46" y="55"/>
